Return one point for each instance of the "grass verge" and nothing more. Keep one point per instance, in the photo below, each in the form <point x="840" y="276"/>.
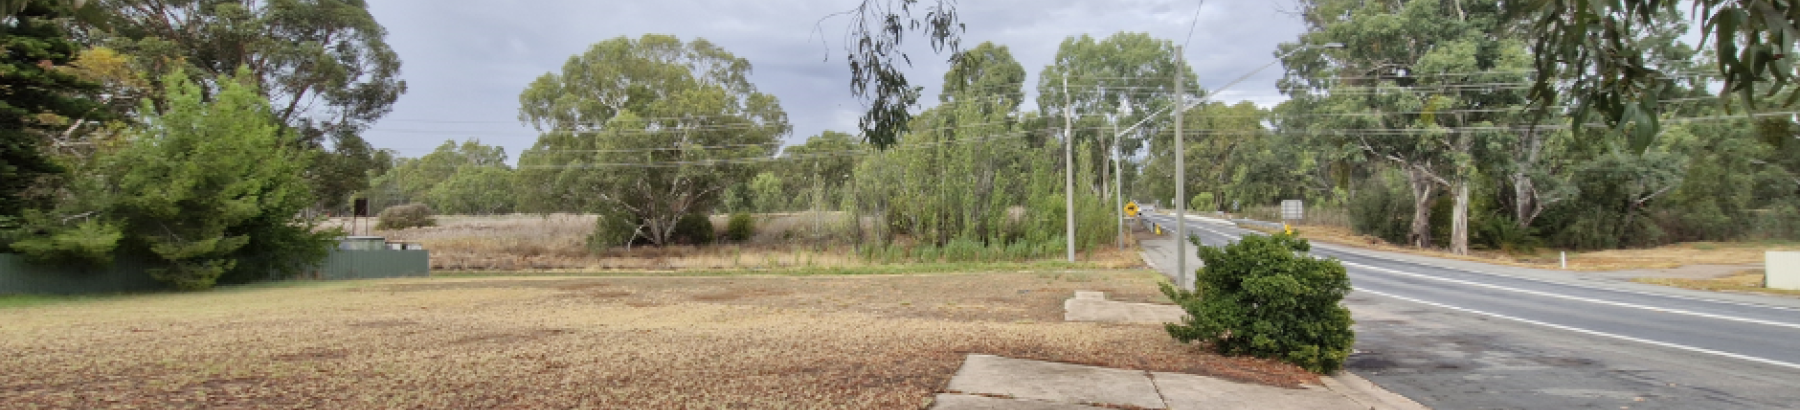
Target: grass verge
<point x="1662" y="257"/>
<point x="1750" y="281"/>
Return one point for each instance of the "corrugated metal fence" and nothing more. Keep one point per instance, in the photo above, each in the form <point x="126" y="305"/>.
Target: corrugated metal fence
<point x="17" y="276"/>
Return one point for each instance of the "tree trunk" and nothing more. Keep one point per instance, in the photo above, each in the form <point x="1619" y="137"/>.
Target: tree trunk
<point x="1459" y="219"/>
<point x="1423" y="190"/>
<point x="1523" y="199"/>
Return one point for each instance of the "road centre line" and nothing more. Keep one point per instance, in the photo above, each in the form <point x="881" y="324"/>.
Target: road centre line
<point x="1595" y="333"/>
<point x="1576" y="298"/>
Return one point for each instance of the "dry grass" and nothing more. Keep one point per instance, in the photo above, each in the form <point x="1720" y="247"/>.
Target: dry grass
<point x="859" y="342"/>
<point x="1743" y="281"/>
<point x="1662" y="257"/>
<point x="558" y="243"/>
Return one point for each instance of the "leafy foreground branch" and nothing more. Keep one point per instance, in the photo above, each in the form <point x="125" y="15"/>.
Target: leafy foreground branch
<point x="1264" y="297"/>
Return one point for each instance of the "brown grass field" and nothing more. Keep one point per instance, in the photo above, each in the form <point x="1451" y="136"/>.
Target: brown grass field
<point x="860" y="342"/>
<point x="557" y="242"/>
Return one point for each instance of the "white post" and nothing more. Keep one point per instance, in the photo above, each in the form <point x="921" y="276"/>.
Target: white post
<point x="1565" y="259"/>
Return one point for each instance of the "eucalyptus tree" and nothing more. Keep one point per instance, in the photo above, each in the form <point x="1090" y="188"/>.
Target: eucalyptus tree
<point x="324" y="65"/>
<point x="1422" y="85"/>
<point x="649" y="129"/>
<point x="820" y="166"/>
<point x="1105" y="76"/>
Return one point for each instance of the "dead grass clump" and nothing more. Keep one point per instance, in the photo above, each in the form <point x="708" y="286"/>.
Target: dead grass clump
<point x="1743" y="281"/>
<point x="1662" y="257"/>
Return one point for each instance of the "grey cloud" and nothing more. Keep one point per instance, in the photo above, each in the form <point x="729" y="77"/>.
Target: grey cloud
<point x="466" y="61"/>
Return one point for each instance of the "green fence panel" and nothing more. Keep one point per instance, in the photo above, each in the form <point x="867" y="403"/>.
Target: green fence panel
<point x="375" y="264"/>
<point x="19" y="276"/>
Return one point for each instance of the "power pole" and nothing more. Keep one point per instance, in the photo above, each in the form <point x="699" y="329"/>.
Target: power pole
<point x="1118" y="185"/>
<point x="1180" y="176"/>
<point x="1068" y="168"/>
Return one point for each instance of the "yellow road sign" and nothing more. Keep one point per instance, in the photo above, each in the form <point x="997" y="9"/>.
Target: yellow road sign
<point x="1131" y="209"/>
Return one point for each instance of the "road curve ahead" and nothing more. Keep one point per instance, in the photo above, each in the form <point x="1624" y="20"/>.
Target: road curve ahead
<point x="1470" y="327"/>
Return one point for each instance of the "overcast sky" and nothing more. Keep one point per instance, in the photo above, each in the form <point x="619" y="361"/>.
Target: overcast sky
<point x="466" y="61"/>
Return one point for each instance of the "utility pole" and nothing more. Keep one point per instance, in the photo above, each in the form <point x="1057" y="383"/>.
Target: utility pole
<point x="1118" y="186"/>
<point x="1068" y="169"/>
<point x="1181" y="237"/>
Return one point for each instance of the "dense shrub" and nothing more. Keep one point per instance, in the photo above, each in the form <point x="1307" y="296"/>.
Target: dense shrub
<point x="963" y="250"/>
<point x="1202" y="202"/>
<point x="740" y="227"/>
<point x="1500" y="232"/>
<point x="612" y="228"/>
<point x="1382" y="208"/>
<point x="693" y="229"/>
<point x="405" y="216"/>
<point x="1261" y="297"/>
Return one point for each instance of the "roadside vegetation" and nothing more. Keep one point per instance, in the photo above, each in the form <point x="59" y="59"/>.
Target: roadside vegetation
<point x="1750" y="280"/>
<point x="1263" y="297"/>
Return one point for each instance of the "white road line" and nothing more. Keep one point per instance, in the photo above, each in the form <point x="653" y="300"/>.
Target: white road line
<point x="1577" y="298"/>
<point x="1596" y="333"/>
<point x="1550" y="282"/>
<point x="1343" y="249"/>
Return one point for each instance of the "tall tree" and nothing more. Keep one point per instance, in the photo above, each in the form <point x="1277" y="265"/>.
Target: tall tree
<point x="34" y="96"/>
<point x="324" y="65"/>
<point x="1410" y="104"/>
<point x="207" y="188"/>
<point x="652" y="127"/>
<point x="1104" y="76"/>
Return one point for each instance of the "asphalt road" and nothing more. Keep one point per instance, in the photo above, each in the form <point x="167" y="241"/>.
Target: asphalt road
<point x="1456" y="335"/>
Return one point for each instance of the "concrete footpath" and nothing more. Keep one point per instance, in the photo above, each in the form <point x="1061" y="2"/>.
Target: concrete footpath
<point x="988" y="382"/>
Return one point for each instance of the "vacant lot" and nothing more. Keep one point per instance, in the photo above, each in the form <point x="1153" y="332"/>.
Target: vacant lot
<point x="560" y="342"/>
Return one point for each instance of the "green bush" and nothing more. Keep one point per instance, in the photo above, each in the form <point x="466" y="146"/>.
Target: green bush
<point x="1018" y="251"/>
<point x="1499" y="232"/>
<point x="926" y="253"/>
<point x="740" y="227"/>
<point x="1382" y="208"/>
<point x="693" y="229"/>
<point x="612" y="228"/>
<point x="962" y="250"/>
<point x="1261" y="297"/>
<point x="405" y="216"/>
<point x="1202" y="202"/>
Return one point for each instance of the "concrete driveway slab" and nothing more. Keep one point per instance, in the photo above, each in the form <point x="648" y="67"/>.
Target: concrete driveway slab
<point x="949" y="401"/>
<point x="1055" y="382"/>
<point x="1093" y="307"/>
<point x="1190" y="392"/>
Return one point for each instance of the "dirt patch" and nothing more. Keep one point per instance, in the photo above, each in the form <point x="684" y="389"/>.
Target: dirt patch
<point x="383" y="323"/>
<point x="314" y="354"/>
<point x="739" y="293"/>
<point x="510" y="337"/>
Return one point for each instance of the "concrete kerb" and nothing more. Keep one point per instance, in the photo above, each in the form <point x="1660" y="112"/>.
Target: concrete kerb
<point x="1366" y="393"/>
